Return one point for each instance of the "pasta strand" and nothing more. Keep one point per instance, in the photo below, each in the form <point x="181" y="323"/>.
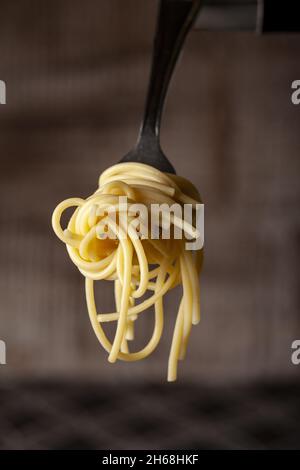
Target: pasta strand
<point x="104" y="247"/>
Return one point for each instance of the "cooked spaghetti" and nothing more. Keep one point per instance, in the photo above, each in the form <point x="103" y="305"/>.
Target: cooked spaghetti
<point x="143" y="268"/>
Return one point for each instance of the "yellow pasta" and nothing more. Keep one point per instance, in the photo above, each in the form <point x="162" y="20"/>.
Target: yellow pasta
<point x="136" y="262"/>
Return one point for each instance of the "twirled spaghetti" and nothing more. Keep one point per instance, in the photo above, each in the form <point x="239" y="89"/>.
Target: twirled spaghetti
<point x="136" y="263"/>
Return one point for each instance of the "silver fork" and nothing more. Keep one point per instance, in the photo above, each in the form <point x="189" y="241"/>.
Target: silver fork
<point x="175" y="18"/>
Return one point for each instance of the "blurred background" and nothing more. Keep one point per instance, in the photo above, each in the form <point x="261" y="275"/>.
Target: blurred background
<point x="76" y="75"/>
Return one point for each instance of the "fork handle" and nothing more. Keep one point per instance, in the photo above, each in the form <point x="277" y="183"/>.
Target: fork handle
<point x="175" y="17"/>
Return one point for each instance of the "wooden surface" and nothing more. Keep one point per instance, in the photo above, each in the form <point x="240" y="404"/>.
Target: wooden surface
<point x="76" y="76"/>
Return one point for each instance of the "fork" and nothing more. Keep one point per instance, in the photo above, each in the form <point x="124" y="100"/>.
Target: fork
<point x="175" y="18"/>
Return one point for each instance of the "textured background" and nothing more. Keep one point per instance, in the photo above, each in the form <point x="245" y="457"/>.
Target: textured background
<point x="76" y="75"/>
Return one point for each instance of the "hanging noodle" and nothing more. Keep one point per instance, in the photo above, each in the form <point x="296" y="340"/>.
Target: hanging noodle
<point x="136" y="264"/>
